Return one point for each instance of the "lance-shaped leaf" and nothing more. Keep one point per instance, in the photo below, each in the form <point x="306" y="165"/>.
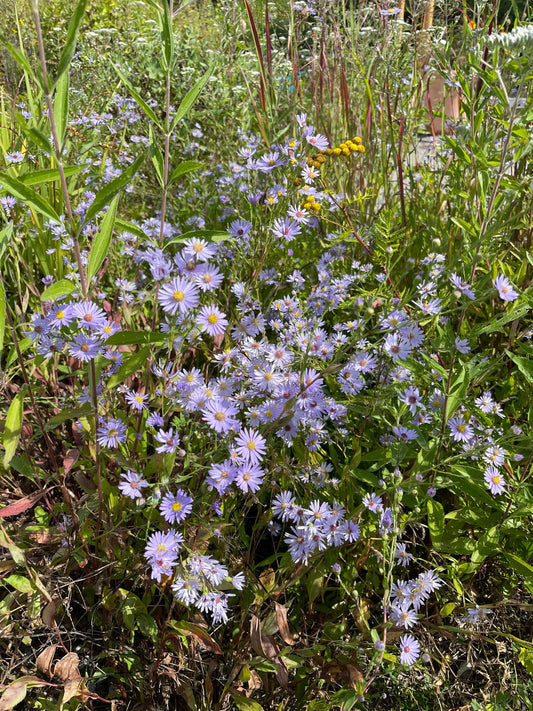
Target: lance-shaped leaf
<point x="190" y="97"/>
<point x="128" y="338"/>
<point x="2" y="315"/>
<point x="72" y="38"/>
<point x="50" y="175"/>
<point x="107" y="193"/>
<point x="13" y="427"/>
<point x="184" y="167"/>
<point x="167" y="35"/>
<point x="61" y="103"/>
<point x="28" y="196"/>
<point x="209" y="235"/>
<point x="102" y="240"/>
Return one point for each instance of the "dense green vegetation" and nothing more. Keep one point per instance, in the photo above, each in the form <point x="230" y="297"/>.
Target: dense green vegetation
<point x="265" y="342"/>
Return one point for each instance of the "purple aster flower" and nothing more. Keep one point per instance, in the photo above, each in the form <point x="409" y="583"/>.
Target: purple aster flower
<point x="505" y="288"/>
<point x="131" y="484"/>
<point x="199" y="249"/>
<point x="176" y="507"/>
<point x="85" y="347"/>
<point x="179" y="296"/>
<point x="461" y="431"/>
<point x="219" y="415"/>
<point x="155" y="420"/>
<point x="212" y="321"/>
<point x="373" y="502"/>
<point x="409" y="649"/>
<point x="286" y="229"/>
<point x="210" y="279"/>
<point x="401" y="555"/>
<point x="169" y="441"/>
<point x="397" y="347"/>
<point x="89" y="315"/>
<point x="250" y="445"/>
<point x="221" y="476"/>
<point x="187" y="590"/>
<point x="136" y="400"/>
<point x="462" y="286"/>
<point x="60" y="316"/>
<point x="318" y="141"/>
<point x="495" y="480"/>
<point x="403" y="615"/>
<point x="249" y="477"/>
<point x="240" y="228"/>
<point x="111" y="433"/>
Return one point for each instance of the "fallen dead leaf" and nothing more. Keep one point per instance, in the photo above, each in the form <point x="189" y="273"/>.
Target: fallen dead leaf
<point x="49" y="612"/>
<point x="45" y="659"/>
<point x="18" y="507"/>
<point x="66" y="669"/>
<point x="283" y="625"/>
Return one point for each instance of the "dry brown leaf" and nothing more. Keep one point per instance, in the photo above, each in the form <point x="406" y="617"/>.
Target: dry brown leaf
<point x="71" y="457"/>
<point x="49" y="612"/>
<point x="255" y="635"/>
<point x="351" y="675"/>
<point x="13" y="695"/>
<point x="254" y="682"/>
<point x="45" y="659"/>
<point x="75" y="687"/>
<point x="67" y="668"/>
<point x="283" y="625"/>
<point x="18" y="507"/>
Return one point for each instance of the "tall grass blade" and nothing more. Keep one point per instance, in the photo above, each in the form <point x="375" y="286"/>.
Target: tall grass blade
<point x="72" y="38"/>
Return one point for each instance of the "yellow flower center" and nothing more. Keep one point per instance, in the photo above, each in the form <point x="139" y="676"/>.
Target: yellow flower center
<point x="178" y="296"/>
<point x="176" y="506"/>
<point x="212" y="319"/>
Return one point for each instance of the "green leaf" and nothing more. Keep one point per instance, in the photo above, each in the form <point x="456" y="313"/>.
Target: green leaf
<point x="28" y="196"/>
<point x="102" y="241"/>
<point x="2" y="315"/>
<point x="167" y="35"/>
<point x="496" y="324"/>
<point x="38" y="177"/>
<point x="13" y="427"/>
<point x="190" y="97"/>
<point x="131" y="227"/>
<point x="525" y="365"/>
<point x="65" y="415"/>
<point x="61" y="104"/>
<point x="61" y="288"/>
<point x="521" y="567"/>
<point x="127" y="338"/>
<point x="157" y="157"/>
<point x="435" y="522"/>
<point x="21" y="59"/>
<point x="107" y="193"/>
<point x="129" y="366"/>
<point x="458" y="390"/>
<point x="36" y="135"/>
<point x="185" y="166"/>
<point x="209" y="235"/>
<point x="19" y="582"/>
<point x="5" y="237"/>
<point x="244" y="703"/>
<point x="141" y="102"/>
<point x="72" y="38"/>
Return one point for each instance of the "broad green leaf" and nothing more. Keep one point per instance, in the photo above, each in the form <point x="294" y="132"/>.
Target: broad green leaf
<point x="13" y="427"/>
<point x="185" y="167"/>
<point x="497" y="324"/>
<point x="61" y="288"/>
<point x="61" y="104"/>
<point x="107" y="193"/>
<point x="102" y="240"/>
<point x="72" y="38"/>
<point x="244" y="703"/>
<point x="209" y="235"/>
<point x="129" y="366"/>
<point x="127" y="338"/>
<point x="435" y="522"/>
<point x="28" y="196"/>
<point x="142" y="103"/>
<point x="190" y="97"/>
<point x="23" y="347"/>
<point x="38" y="177"/>
<point x="2" y="315"/>
<point x="525" y="365"/>
<point x="5" y="236"/>
<point x="19" y="582"/>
